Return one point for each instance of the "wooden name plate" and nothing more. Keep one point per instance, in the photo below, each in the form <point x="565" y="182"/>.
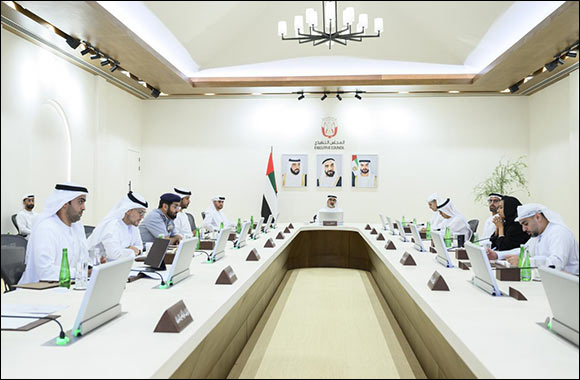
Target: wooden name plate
<point x="232" y="236"/>
<point x="423" y="235"/>
<point x="374" y="232"/>
<point x="287" y="230"/>
<point x="380" y="237"/>
<point x="464" y="265"/>
<point x="227" y="277"/>
<point x="168" y="258"/>
<point x="332" y="223"/>
<point x="390" y="245"/>
<point x="461" y="254"/>
<point x="280" y="236"/>
<point x="174" y="319"/>
<point x="253" y="255"/>
<point x="413" y="240"/>
<point x="407" y="259"/>
<point x="368" y="227"/>
<point x="507" y="274"/>
<point x="514" y="293"/>
<point x="407" y="229"/>
<point x="290" y="226"/>
<point x="436" y="282"/>
<point x="207" y="244"/>
<point x="432" y="250"/>
<point x="269" y="243"/>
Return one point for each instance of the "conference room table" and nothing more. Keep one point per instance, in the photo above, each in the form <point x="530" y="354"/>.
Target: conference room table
<point x="463" y="332"/>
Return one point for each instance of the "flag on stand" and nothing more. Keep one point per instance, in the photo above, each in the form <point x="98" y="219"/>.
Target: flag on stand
<point x="270" y="197"/>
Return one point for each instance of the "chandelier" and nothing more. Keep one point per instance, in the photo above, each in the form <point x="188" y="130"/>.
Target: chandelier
<point x="330" y="32"/>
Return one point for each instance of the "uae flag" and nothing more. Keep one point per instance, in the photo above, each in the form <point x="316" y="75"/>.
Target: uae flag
<point x="270" y="198"/>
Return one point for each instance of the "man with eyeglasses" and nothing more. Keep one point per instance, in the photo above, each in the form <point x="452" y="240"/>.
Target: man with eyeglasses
<point x="117" y="234"/>
<point x="214" y="215"/>
<point x="160" y="222"/>
<point x="493" y="201"/>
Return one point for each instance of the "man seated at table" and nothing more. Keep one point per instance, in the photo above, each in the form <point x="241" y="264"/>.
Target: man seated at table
<point x="117" y="235"/>
<point x="330" y="207"/>
<point x="214" y="216"/>
<point x="26" y="217"/>
<point x="436" y="220"/>
<point x="552" y="242"/>
<point x="454" y="220"/>
<point x="159" y="222"/>
<point x="58" y="227"/>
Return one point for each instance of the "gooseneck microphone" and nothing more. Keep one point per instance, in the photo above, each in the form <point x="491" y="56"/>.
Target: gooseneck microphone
<point x="62" y="338"/>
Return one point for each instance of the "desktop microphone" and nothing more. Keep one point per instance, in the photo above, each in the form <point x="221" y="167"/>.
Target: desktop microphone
<point x="162" y="286"/>
<point x="62" y="338"/>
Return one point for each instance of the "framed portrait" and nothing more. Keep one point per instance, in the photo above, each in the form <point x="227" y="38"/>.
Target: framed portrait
<point x="329" y="170"/>
<point x="364" y="170"/>
<point x="294" y="170"/>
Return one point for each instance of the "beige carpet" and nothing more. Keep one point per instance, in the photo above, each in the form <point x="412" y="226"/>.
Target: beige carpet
<point x="327" y="323"/>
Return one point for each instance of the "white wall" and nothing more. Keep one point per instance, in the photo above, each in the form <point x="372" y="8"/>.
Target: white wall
<point x="432" y="144"/>
<point x="39" y="91"/>
<point x="554" y="148"/>
<point x="442" y="144"/>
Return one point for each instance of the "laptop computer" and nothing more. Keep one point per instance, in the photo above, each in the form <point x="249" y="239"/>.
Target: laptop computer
<point x="101" y="300"/>
<point x="155" y="257"/>
<point x="219" y="250"/>
<point x="179" y="269"/>
<point x="391" y="227"/>
<point x="483" y="276"/>
<point x="241" y="241"/>
<point x="258" y="229"/>
<point x="268" y="223"/>
<point x="562" y="291"/>
<point x="401" y="231"/>
<point x="417" y="237"/>
<point x="329" y="216"/>
<point x="442" y="254"/>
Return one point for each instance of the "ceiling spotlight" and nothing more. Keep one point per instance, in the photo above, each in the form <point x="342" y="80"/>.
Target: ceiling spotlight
<point x="323" y="96"/>
<point x="73" y="42"/>
<point x="357" y="96"/>
<point x="560" y="61"/>
<point x="338" y="97"/>
<point x="155" y="93"/>
<point x="115" y="66"/>
<point x="96" y="56"/>
<point x="104" y="62"/>
<point x="514" y="88"/>
<point x="571" y="54"/>
<point x="86" y="51"/>
<point x="551" y="66"/>
<point x="301" y="95"/>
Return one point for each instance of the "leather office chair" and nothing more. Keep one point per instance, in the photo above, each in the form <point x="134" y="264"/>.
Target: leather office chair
<point x="191" y="221"/>
<point x="89" y="230"/>
<point x="13" y="265"/>
<point x="473" y="224"/>
<point x="13" y="217"/>
<point x="13" y="240"/>
<point x="203" y="215"/>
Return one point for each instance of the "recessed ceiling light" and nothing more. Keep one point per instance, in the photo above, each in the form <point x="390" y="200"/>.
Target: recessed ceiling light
<point x="454" y="92"/>
<point x="530" y="77"/>
<point x="403" y="92"/>
<point x="256" y="93"/>
<point x="209" y="94"/>
<point x="163" y="94"/>
<point x="143" y="83"/>
<point x="506" y="90"/>
<point x="10" y="4"/>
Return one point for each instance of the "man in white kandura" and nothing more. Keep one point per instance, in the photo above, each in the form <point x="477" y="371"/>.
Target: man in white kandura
<point x="182" y="225"/>
<point x="26" y="217"/>
<point x="294" y="176"/>
<point x="436" y="220"/>
<point x="489" y="228"/>
<point x="453" y="219"/>
<point x="329" y="177"/>
<point x="56" y="228"/>
<point x="214" y="215"/>
<point x="552" y="243"/>
<point x="330" y="206"/>
<point x="117" y="235"/>
<point x="365" y="177"/>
